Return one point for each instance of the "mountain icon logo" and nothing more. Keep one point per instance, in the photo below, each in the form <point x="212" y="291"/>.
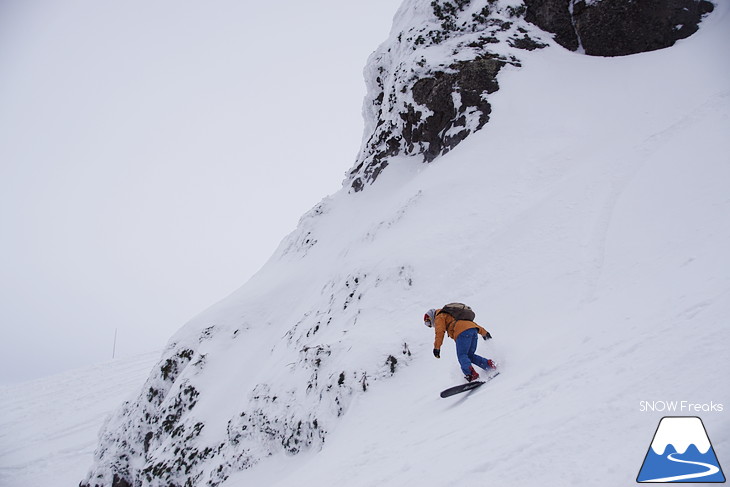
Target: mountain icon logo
<point x="681" y="452"/>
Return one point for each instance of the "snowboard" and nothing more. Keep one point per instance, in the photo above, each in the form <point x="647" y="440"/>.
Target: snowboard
<point x="469" y="386"/>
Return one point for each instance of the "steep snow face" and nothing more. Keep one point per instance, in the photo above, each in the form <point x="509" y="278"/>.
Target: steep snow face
<point x="269" y="370"/>
<point x="428" y="84"/>
<point x="588" y="228"/>
<point x="274" y="366"/>
<point x="592" y="245"/>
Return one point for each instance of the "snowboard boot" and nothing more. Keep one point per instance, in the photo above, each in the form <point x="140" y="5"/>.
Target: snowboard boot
<point x="473" y="376"/>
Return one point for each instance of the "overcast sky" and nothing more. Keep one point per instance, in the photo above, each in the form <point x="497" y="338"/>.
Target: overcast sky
<point x="153" y="155"/>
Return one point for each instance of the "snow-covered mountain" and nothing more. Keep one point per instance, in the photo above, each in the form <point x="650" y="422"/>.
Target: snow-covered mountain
<point x="680" y="433"/>
<point x="587" y="224"/>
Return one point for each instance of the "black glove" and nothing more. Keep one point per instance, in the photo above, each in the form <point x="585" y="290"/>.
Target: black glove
<point x="437" y="353"/>
<point x="488" y="336"/>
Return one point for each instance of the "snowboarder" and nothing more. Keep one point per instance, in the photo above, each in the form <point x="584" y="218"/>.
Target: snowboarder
<point x="465" y="332"/>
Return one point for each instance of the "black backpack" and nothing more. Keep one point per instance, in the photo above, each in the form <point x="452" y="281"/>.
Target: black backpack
<point x="459" y="311"/>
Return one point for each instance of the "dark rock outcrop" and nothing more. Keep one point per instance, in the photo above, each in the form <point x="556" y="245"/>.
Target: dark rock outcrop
<point x="617" y="27"/>
<point x="554" y="16"/>
<point x="468" y="80"/>
<point x="428" y="85"/>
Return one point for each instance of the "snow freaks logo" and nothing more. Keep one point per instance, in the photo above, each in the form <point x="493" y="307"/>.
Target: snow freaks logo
<point x="680" y="407"/>
<point x="681" y="452"/>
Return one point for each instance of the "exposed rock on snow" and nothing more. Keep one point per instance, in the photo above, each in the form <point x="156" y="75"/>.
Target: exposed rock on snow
<point x="617" y="27"/>
<point x="237" y="386"/>
<point x="428" y="84"/>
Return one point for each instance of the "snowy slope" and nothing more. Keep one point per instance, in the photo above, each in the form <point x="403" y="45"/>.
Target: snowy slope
<point x="49" y="427"/>
<point x="587" y="224"/>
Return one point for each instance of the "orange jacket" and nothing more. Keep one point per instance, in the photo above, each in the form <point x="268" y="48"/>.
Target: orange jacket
<point x="445" y="323"/>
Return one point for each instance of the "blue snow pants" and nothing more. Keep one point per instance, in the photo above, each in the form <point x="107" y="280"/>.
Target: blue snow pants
<point x="466" y="347"/>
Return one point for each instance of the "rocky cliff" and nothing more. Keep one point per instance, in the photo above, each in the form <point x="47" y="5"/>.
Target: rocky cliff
<point x="429" y="83"/>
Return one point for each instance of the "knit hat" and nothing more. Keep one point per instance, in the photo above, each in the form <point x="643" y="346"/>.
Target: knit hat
<point x="429" y="317"/>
